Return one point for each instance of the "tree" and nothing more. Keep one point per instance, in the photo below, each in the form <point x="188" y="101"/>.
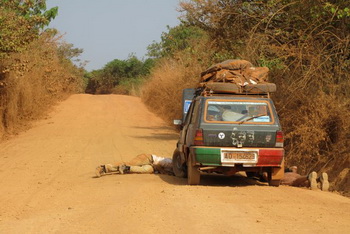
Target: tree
<point x="118" y="71"/>
<point x="178" y="38"/>
<point x="271" y="25"/>
<point x="67" y="51"/>
<point x="21" y="22"/>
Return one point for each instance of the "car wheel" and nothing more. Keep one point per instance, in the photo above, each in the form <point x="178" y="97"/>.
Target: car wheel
<point x="193" y="174"/>
<point x="179" y="168"/>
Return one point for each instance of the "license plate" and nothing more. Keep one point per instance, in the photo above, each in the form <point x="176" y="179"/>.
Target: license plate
<point x="238" y="157"/>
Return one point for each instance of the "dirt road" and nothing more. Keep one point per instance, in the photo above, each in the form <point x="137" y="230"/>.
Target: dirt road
<point x="47" y="182"/>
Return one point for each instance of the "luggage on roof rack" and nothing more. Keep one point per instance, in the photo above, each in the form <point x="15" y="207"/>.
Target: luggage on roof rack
<point x="232" y="88"/>
<point x="236" y="77"/>
<point x="260" y="88"/>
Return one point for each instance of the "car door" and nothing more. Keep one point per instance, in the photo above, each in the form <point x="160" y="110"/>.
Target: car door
<point x="193" y="123"/>
<point x="184" y="130"/>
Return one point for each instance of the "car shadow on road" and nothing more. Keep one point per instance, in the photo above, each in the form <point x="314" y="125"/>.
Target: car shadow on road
<point x="155" y="128"/>
<point x="159" y="136"/>
<point x="160" y="133"/>
<point x="216" y="180"/>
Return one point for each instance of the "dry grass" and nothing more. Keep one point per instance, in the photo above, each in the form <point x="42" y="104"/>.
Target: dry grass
<point x="32" y="81"/>
<point x="163" y="91"/>
<point x="313" y="102"/>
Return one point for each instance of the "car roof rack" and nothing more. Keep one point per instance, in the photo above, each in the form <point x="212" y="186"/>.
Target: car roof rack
<point x="209" y="88"/>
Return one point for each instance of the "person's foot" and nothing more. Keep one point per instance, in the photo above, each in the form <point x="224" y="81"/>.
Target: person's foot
<point x="312" y="180"/>
<point x="324" y="181"/>
<point x="100" y="170"/>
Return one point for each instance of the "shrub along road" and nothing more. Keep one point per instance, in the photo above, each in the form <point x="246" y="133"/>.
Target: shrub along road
<point x="47" y="182"/>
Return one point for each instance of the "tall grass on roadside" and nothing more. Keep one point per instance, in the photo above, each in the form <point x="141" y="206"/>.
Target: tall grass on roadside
<point x="32" y="81"/>
<point x="163" y="91"/>
<point x="312" y="99"/>
<point x="131" y="86"/>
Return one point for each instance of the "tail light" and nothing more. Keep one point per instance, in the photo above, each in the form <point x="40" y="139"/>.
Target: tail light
<point x="279" y="139"/>
<point x="270" y="157"/>
<point x="198" y="138"/>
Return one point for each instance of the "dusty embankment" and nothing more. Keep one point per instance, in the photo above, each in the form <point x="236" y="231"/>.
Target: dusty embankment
<point x="47" y="182"/>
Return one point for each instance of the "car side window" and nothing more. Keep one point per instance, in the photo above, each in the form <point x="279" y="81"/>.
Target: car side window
<point x="195" y="111"/>
<point x="189" y="113"/>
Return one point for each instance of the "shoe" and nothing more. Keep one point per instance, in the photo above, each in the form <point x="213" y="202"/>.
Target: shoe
<point x="324" y="181"/>
<point x="100" y="170"/>
<point x="312" y="180"/>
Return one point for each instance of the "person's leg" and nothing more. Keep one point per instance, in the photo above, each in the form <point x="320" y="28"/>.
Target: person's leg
<point x="111" y="168"/>
<point x="107" y="168"/>
<point x="141" y="159"/>
<point x="324" y="181"/>
<point x="300" y="181"/>
<point x="312" y="177"/>
<point x="144" y="169"/>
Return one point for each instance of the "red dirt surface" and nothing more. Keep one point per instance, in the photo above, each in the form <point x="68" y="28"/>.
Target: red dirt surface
<point x="48" y="186"/>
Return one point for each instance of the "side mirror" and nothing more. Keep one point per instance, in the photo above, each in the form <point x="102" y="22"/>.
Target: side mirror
<point x="177" y="121"/>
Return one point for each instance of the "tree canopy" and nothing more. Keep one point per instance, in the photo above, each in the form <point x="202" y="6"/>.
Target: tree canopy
<point x="21" y="22"/>
<point x="178" y="38"/>
<point x="116" y="72"/>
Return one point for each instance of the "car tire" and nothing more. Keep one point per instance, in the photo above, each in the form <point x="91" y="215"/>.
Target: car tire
<point x="193" y="174"/>
<point x="179" y="168"/>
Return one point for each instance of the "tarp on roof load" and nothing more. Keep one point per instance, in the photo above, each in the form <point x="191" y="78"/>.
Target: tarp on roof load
<point x="240" y="72"/>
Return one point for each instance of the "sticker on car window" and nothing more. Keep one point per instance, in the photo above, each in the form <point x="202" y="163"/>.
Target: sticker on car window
<point x="187" y="105"/>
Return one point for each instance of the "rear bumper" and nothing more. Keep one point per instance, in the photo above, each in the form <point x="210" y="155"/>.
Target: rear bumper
<point x="214" y="156"/>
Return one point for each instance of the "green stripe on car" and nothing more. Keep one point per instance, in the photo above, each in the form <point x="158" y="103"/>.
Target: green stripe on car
<point x="208" y="156"/>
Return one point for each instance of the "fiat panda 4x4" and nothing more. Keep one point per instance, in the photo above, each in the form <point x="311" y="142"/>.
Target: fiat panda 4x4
<point x="225" y="133"/>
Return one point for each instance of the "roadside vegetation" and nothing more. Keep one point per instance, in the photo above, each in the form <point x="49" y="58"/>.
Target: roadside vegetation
<point x="36" y="69"/>
<point x="119" y="76"/>
<point x="306" y="45"/>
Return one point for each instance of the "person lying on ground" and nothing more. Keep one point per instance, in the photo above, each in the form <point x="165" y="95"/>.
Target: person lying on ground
<point x="141" y="164"/>
<point x="292" y="178"/>
<point x="150" y="163"/>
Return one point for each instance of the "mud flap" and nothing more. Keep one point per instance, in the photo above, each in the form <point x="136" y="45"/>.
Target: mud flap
<point x="277" y="173"/>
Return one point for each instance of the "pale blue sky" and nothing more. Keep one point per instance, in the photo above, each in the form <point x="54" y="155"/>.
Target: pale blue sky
<point x="112" y="29"/>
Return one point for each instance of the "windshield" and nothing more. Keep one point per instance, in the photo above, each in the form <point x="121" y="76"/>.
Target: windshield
<point x="238" y="111"/>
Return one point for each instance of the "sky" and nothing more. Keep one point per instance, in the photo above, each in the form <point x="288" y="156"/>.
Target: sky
<point x="113" y="29"/>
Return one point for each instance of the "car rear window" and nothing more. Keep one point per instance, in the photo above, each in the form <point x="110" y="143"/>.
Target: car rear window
<point x="238" y="111"/>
